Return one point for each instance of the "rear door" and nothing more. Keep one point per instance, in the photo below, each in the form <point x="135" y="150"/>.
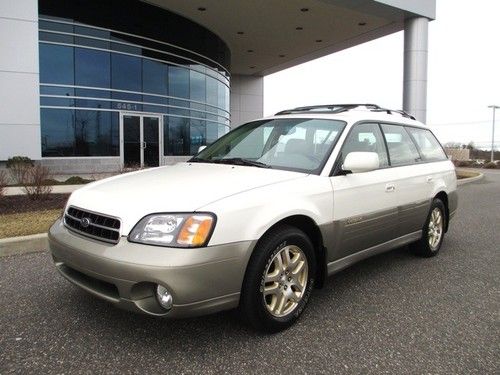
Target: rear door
<point x="365" y="208"/>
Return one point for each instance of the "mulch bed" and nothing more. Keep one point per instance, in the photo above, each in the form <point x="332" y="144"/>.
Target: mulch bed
<point x="16" y="204"/>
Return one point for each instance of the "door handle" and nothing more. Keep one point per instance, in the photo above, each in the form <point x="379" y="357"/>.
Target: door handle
<point x="390" y="188"/>
<point x="429" y="178"/>
<point x="144" y="144"/>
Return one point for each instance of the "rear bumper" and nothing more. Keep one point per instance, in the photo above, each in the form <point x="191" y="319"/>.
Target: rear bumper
<point x="201" y="281"/>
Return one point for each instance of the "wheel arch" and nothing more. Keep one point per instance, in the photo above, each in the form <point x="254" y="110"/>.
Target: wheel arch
<point x="443" y="197"/>
<point x="312" y="230"/>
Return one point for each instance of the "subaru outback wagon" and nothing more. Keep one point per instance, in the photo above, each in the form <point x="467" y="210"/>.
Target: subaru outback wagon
<point x="261" y="217"/>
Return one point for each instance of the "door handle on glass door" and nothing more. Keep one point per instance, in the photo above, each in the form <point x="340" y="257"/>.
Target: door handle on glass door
<point x="390" y="188"/>
<point x="144" y="144"/>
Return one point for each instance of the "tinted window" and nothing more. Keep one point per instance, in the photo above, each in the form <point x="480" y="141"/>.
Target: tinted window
<point x="92" y="68"/>
<point x="401" y="148"/>
<point x="428" y="145"/>
<point x="178" y="82"/>
<point x="94" y="134"/>
<point x="176" y="136"/>
<point x="56" y="64"/>
<point x="58" y="132"/>
<point x="155" y="77"/>
<point x="126" y="72"/>
<point x="366" y="138"/>
<point x="197" y="86"/>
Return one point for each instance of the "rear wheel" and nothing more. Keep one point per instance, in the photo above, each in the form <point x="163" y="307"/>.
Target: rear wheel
<point x="432" y="232"/>
<point x="279" y="279"/>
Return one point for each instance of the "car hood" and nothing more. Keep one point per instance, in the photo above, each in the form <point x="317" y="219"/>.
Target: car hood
<point x="183" y="187"/>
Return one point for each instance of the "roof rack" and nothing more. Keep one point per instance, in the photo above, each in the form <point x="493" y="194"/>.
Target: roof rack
<point x="337" y="108"/>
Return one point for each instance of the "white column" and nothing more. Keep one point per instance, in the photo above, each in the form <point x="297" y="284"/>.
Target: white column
<point x="247" y="99"/>
<point x="415" y="67"/>
<point x="19" y="79"/>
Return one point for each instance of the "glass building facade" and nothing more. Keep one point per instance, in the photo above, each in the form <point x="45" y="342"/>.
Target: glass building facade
<point x="124" y="78"/>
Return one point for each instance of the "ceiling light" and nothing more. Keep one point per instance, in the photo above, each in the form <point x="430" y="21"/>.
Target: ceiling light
<point x="252" y="67"/>
<point x="299" y="28"/>
<point x="304" y="9"/>
<point x="281" y="55"/>
<point x="202" y="9"/>
<point x="362" y="24"/>
<point x="240" y="32"/>
<point x="249" y="50"/>
<point x="319" y="40"/>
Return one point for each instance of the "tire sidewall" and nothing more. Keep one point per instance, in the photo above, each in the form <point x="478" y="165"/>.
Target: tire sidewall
<point x="290" y="236"/>
<point x="436" y="203"/>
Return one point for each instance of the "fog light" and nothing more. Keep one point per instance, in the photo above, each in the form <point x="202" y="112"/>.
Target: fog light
<point x="164" y="297"/>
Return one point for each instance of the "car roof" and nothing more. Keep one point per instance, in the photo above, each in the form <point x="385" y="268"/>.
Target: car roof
<point x="355" y="115"/>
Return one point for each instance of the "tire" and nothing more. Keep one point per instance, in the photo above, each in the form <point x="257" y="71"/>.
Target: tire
<point x="432" y="232"/>
<point x="275" y="294"/>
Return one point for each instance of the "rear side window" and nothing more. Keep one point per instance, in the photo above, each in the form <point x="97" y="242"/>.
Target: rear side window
<point x="428" y="145"/>
<point x="402" y="150"/>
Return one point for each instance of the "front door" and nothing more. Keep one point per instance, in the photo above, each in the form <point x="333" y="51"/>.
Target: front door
<point x="140" y="140"/>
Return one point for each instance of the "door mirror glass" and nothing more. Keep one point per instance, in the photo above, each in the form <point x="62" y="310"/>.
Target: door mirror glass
<point x="358" y="162"/>
<point x="201" y="148"/>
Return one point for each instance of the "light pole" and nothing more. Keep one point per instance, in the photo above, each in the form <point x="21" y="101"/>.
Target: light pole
<point x="493" y="132"/>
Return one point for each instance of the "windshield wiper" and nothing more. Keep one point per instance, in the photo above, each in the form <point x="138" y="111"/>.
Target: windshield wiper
<point x="241" y="161"/>
<point x="199" y="160"/>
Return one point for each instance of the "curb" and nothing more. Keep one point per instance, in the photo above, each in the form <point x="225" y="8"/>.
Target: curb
<point x="56" y="189"/>
<point x="467" y="180"/>
<point x="23" y="244"/>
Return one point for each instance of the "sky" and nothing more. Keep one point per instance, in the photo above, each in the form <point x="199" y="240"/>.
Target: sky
<point x="463" y="74"/>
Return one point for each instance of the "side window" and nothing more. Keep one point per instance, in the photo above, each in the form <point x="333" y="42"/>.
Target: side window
<point x="366" y="138"/>
<point x="428" y="145"/>
<point x="402" y="150"/>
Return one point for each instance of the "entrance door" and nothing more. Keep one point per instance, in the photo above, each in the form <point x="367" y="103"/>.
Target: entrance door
<point x="140" y="140"/>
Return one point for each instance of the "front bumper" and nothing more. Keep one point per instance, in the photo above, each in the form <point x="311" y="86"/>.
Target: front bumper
<point x="201" y="280"/>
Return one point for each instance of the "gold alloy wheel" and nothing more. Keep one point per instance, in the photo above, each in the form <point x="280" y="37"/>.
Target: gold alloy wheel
<point x="435" y="230"/>
<point x="285" y="281"/>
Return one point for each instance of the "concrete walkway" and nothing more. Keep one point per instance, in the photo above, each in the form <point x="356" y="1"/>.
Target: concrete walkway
<point x="56" y="189"/>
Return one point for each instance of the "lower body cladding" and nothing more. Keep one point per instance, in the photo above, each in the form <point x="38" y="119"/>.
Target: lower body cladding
<point x="199" y="280"/>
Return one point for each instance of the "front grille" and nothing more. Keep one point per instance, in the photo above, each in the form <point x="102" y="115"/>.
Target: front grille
<point x="91" y="224"/>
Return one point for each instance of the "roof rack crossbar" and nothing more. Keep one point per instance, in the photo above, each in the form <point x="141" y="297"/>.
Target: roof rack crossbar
<point x="337" y="108"/>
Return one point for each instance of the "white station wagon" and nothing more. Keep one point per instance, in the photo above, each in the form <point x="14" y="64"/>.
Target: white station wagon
<point x="260" y="217"/>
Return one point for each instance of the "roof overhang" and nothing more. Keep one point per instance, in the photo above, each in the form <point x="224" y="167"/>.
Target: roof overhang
<point x="266" y="36"/>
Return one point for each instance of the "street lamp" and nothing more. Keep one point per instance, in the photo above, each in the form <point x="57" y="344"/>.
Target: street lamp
<point x="493" y="132"/>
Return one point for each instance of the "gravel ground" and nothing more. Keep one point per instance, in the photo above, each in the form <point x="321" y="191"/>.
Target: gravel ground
<point x="393" y="313"/>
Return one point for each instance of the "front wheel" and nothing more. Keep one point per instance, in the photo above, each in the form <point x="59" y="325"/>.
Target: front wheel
<point x="432" y="232"/>
<point x="279" y="279"/>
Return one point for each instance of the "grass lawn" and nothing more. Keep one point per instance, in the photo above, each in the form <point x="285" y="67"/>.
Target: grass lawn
<point x="22" y="224"/>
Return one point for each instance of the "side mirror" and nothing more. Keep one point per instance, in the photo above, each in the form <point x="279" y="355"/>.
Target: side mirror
<point x="201" y="148"/>
<point x="358" y="162"/>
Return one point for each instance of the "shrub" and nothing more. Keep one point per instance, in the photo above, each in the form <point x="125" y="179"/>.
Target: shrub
<point x="491" y="165"/>
<point x="76" y="180"/>
<point x="3" y="182"/>
<point x="34" y="182"/>
<point x="463" y="163"/>
<point x="18" y="166"/>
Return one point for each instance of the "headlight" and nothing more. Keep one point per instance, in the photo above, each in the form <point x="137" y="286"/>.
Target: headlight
<point x="174" y="230"/>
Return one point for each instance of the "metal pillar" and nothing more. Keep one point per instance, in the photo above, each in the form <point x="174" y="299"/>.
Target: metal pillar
<point x="415" y="67"/>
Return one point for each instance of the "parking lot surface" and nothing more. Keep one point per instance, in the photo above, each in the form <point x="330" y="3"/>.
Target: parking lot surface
<point x="394" y="313"/>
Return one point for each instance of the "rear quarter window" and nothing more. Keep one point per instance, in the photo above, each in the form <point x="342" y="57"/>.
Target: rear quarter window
<point x="429" y="146"/>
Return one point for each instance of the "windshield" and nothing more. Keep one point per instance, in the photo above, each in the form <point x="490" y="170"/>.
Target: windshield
<point x="297" y="144"/>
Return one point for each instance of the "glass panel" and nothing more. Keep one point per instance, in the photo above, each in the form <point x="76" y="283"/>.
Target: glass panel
<point x="57" y="131"/>
<point x="178" y="82"/>
<point x="197" y="135"/>
<point x="131" y="141"/>
<point x="56" y="64"/>
<point x="212" y="96"/>
<point x="402" y="151"/>
<point x="92" y="68"/>
<point x="428" y="144"/>
<point x="176" y="136"/>
<point x="197" y="86"/>
<point x="126" y="72"/>
<point x="151" y="141"/>
<point x="154" y="77"/>
<point x="94" y="134"/>
<point x="366" y="138"/>
<point x="212" y="132"/>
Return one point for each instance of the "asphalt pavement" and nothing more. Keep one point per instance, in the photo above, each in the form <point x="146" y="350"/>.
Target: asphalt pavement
<point x="394" y="313"/>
